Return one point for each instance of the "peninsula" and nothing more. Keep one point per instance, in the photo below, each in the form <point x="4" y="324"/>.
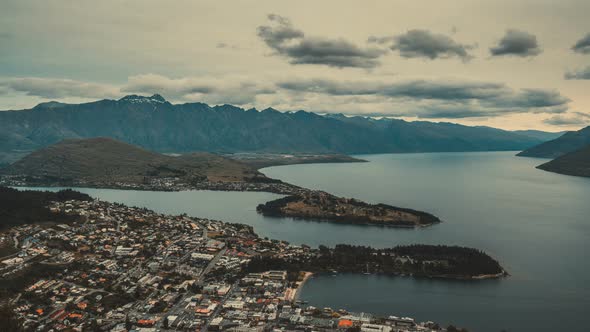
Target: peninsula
<point x="430" y="261"/>
<point x="575" y="163"/>
<point x="102" y="265"/>
<point x="322" y="206"/>
<point x="107" y="163"/>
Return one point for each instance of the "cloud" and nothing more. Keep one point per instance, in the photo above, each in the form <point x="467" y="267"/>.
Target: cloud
<point x="52" y="88"/>
<point x="582" y="45"/>
<point x="215" y="90"/>
<point x="517" y="43"/>
<point x="580" y="74"/>
<point x="436" y="98"/>
<point x="413" y="89"/>
<point x="534" y="99"/>
<point x="232" y="90"/>
<point x="576" y="119"/>
<point x="413" y="98"/>
<point x="290" y="42"/>
<point x="425" y="44"/>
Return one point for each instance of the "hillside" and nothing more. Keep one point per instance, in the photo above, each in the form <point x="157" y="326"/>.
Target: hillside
<point x="574" y="163"/>
<point x="157" y="125"/>
<point x="568" y="142"/>
<point x="103" y="160"/>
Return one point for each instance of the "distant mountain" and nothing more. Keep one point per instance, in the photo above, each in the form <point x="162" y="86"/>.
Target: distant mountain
<point x="574" y="163"/>
<point x="538" y="134"/>
<point x="568" y="142"/>
<point x="104" y="160"/>
<point x="155" y="124"/>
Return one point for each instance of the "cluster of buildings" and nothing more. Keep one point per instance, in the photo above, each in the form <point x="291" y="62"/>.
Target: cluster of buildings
<point x="120" y="268"/>
<point x="161" y="184"/>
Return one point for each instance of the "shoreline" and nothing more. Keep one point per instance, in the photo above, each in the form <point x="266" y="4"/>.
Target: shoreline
<point x="306" y="277"/>
<point x="278" y="188"/>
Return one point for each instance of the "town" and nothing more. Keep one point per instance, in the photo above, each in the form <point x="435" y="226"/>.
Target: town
<point x="118" y="268"/>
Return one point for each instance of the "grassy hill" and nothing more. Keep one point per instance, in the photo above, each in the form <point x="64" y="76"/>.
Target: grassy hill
<point x="574" y="163"/>
<point x="102" y="160"/>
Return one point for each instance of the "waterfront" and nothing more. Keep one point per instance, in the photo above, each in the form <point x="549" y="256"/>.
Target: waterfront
<point x="533" y="221"/>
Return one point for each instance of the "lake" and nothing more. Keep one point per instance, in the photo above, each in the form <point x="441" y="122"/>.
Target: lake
<point x="535" y="223"/>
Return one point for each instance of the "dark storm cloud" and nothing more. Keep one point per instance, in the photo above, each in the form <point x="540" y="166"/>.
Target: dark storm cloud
<point x="292" y="43"/>
<point x="580" y="74"/>
<point x="517" y="43"/>
<point x="425" y="44"/>
<point x="582" y="45"/>
<point x="445" y="98"/>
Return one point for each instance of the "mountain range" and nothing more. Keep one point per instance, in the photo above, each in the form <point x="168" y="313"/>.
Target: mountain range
<point x="155" y="124"/>
<point x="568" y="142"/>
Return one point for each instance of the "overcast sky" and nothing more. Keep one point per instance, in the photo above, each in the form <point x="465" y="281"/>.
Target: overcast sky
<point x="504" y="63"/>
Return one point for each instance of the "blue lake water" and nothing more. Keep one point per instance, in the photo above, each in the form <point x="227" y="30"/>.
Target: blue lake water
<point x="537" y="224"/>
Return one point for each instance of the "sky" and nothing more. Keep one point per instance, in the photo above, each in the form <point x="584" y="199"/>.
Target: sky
<point x="511" y="64"/>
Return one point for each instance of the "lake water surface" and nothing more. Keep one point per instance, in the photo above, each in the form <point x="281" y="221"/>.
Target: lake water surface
<point x="537" y="224"/>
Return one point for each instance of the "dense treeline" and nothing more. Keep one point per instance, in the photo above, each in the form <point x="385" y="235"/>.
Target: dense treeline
<point x="418" y="260"/>
<point x="29" y="206"/>
<point x="463" y="260"/>
<point x="273" y="208"/>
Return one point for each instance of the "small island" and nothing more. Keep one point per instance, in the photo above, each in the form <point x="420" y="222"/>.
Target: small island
<point x="322" y="206"/>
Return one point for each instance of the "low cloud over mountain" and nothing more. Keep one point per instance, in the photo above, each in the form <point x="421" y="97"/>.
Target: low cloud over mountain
<point x="422" y="98"/>
<point x="444" y="99"/>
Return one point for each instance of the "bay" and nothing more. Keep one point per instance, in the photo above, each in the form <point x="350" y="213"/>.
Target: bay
<point x="537" y="224"/>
